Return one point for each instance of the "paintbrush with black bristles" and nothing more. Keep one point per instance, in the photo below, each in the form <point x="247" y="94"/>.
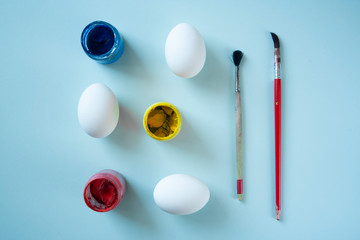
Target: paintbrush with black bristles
<point x="277" y="114"/>
<point x="237" y="56"/>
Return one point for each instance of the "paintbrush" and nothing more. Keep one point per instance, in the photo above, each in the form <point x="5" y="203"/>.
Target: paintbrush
<point x="237" y="56"/>
<point x="277" y="113"/>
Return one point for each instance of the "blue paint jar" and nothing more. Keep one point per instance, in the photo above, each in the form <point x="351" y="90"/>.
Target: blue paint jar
<point x="102" y="42"/>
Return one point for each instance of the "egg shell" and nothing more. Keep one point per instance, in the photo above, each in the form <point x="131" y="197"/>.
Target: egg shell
<point x="185" y="51"/>
<point x="181" y="194"/>
<point x="98" y="110"/>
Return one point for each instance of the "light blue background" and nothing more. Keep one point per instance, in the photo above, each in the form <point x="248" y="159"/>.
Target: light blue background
<point x="46" y="158"/>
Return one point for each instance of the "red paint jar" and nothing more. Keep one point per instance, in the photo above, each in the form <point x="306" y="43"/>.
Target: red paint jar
<point x="104" y="191"/>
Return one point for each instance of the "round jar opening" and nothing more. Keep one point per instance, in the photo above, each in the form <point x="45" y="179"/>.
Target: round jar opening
<point x="100" y="39"/>
<point x="162" y="121"/>
<point x="103" y="192"/>
<point x="102" y="42"/>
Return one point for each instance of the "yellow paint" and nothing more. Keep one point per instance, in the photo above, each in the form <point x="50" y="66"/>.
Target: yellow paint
<point x="156" y="118"/>
<point x="162" y="121"/>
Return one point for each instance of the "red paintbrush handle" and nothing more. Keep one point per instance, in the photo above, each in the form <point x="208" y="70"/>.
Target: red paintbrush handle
<point x="277" y="101"/>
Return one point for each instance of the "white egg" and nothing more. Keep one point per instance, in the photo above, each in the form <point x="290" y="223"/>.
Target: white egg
<point x="185" y="51"/>
<point x="181" y="194"/>
<point x="98" y="110"/>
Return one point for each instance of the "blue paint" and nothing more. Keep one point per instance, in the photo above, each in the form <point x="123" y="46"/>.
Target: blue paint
<point x="102" y="42"/>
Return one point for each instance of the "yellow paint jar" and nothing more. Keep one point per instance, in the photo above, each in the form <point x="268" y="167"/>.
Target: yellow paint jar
<point x="162" y="121"/>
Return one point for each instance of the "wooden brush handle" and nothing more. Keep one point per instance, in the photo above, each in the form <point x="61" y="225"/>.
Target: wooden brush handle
<point x="277" y="109"/>
<point x="238" y="145"/>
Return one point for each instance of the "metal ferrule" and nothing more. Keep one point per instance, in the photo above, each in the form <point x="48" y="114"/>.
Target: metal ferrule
<point x="237" y="80"/>
<point x="277" y="63"/>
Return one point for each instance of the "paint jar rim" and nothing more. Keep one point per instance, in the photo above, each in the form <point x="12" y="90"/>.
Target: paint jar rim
<point x="164" y="104"/>
<point x="110" y="56"/>
<point x="116" y="179"/>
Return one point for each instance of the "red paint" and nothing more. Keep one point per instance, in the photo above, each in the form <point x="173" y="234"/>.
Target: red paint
<point x="104" y="191"/>
<point x="277" y="107"/>
<point x="239" y="186"/>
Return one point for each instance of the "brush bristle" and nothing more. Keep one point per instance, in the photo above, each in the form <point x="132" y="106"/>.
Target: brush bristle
<point x="237" y="56"/>
<point x="276" y="40"/>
